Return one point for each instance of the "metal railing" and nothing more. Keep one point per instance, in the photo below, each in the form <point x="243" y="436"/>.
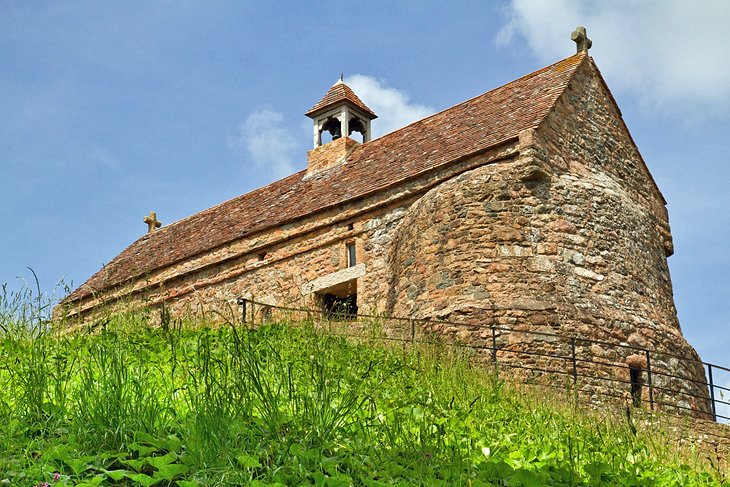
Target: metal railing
<point x="536" y="354"/>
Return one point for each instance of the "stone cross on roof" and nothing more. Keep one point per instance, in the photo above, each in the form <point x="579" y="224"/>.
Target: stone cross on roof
<point x="152" y="222"/>
<point x="582" y="42"/>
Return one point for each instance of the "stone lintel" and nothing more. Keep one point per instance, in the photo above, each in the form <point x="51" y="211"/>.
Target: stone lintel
<point x="331" y="280"/>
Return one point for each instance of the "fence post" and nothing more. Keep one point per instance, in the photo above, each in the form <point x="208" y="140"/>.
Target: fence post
<point x="575" y="362"/>
<point x="494" y="349"/>
<point x="712" y="393"/>
<point x="648" y="380"/>
<point x="413" y="330"/>
<point x="242" y="302"/>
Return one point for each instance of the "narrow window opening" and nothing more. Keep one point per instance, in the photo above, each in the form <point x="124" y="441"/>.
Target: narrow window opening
<point x="351" y="255"/>
<point x="637" y="384"/>
<point x="261" y="256"/>
<point x="350" y="226"/>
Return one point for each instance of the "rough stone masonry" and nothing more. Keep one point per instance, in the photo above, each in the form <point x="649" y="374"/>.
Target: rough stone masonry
<point x="527" y="207"/>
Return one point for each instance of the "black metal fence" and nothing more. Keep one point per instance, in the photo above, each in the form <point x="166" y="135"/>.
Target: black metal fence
<point x="593" y="368"/>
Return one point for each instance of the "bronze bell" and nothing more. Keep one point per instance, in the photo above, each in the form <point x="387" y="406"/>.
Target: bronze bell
<point x="333" y="127"/>
<point x="335" y="131"/>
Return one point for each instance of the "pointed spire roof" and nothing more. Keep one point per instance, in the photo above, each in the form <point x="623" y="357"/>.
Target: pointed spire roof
<point x="338" y="93"/>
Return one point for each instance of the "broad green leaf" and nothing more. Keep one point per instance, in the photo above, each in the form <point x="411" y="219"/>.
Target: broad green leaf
<point x="159" y="462"/>
<point x="137" y="464"/>
<point x="297" y="450"/>
<point x="117" y="475"/>
<point x="146" y="437"/>
<point x="59" y="452"/>
<point x="143" y="479"/>
<point x="171" y="443"/>
<point x="247" y="461"/>
<point x="93" y="482"/>
<point x="169" y="472"/>
<point x="373" y="483"/>
<point x="78" y="465"/>
<point x="338" y="481"/>
<point x="143" y="450"/>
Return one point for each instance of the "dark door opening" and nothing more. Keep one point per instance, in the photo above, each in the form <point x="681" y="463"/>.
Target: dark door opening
<point x="339" y="308"/>
<point x="636" y="385"/>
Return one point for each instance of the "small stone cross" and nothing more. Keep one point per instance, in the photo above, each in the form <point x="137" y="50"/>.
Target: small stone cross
<point x="582" y="42"/>
<point x="152" y="222"/>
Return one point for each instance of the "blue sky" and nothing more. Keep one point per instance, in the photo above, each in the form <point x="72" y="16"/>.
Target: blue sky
<point x="110" y="110"/>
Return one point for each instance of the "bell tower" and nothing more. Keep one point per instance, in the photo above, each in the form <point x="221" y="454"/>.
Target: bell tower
<point x="340" y="113"/>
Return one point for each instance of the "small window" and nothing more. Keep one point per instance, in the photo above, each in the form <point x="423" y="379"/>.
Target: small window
<point x="350" y="226"/>
<point x="262" y="256"/>
<point x="351" y="255"/>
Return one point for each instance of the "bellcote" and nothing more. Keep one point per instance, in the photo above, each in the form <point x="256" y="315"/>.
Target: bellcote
<point x="340" y="113"/>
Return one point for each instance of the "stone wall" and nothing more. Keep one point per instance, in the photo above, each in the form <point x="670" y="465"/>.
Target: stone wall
<point x="569" y="238"/>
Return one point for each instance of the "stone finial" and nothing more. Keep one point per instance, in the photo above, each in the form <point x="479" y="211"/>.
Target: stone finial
<point x="152" y="223"/>
<point x="580" y="37"/>
<point x="637" y="361"/>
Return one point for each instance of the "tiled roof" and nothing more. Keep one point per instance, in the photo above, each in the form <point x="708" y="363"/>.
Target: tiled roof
<point x="474" y="125"/>
<point x="340" y="92"/>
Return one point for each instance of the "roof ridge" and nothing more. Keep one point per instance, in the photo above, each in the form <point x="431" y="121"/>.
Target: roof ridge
<point x="521" y="78"/>
<point x="583" y="55"/>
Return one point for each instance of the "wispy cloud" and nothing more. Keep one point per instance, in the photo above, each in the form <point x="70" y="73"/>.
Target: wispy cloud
<point x="671" y="53"/>
<point x="267" y="141"/>
<point x="393" y="106"/>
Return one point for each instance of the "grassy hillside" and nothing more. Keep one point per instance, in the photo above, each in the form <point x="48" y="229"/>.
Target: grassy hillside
<point x="283" y="405"/>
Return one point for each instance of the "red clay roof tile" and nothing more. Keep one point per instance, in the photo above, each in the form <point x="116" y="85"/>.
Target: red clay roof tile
<point x="340" y="92"/>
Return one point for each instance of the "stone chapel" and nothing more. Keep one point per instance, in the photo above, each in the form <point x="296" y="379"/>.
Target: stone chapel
<point x="527" y="206"/>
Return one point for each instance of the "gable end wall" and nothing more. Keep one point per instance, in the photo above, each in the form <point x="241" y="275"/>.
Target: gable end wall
<point x="571" y="238"/>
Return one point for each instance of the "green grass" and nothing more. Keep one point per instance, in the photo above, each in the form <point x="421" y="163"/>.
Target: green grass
<point x="188" y="405"/>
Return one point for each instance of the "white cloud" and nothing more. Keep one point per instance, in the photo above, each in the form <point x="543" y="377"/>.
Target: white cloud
<point x="671" y="53"/>
<point x="269" y="143"/>
<point x="393" y="106"/>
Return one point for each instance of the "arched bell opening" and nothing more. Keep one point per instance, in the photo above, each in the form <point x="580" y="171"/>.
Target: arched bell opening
<point x="356" y="125"/>
<point x="331" y="130"/>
